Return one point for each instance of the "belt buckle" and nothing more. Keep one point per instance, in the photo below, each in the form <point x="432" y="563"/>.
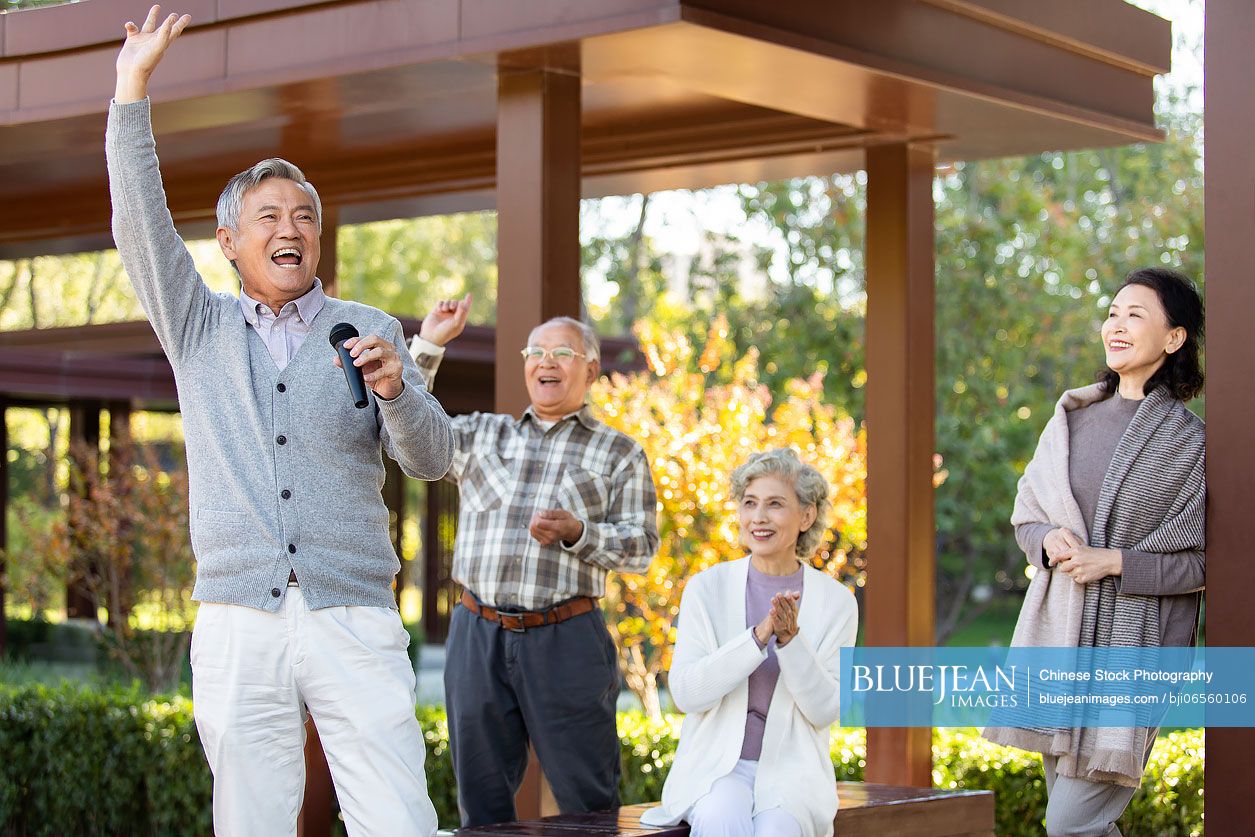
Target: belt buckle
<point x="503" y="615"/>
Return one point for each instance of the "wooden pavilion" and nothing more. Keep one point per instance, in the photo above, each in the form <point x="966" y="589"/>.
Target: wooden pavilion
<point x="399" y="108"/>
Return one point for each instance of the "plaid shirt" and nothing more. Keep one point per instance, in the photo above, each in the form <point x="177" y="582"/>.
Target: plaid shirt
<point x="507" y="469"/>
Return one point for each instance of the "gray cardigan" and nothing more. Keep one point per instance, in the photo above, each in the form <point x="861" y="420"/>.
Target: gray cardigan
<point x="285" y="473"/>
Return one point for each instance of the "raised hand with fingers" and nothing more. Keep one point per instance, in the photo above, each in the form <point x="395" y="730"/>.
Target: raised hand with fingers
<point x="144" y="48"/>
<point x="446" y="320"/>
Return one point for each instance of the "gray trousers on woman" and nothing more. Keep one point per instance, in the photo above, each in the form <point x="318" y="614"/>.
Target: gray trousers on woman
<point x="1081" y="808"/>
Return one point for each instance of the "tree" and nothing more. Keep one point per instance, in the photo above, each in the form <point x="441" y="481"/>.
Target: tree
<point x="696" y="431"/>
<point x="132" y="527"/>
<point x="404" y="267"/>
<point x="14" y="5"/>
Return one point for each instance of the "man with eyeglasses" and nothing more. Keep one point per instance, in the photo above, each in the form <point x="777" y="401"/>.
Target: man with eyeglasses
<point x="550" y="503"/>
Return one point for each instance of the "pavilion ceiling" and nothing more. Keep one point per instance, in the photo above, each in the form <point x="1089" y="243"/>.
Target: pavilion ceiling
<point x="390" y="105"/>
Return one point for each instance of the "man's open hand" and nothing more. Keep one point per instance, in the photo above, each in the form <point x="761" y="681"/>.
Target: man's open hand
<point x="446" y="320"/>
<point x="144" y="48"/>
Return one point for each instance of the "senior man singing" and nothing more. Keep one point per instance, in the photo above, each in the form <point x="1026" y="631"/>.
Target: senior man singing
<point x="549" y="504"/>
<point x="294" y="560"/>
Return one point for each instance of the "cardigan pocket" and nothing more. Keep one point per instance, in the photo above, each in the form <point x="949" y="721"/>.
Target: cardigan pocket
<point x="216" y="517"/>
<point x="219" y="528"/>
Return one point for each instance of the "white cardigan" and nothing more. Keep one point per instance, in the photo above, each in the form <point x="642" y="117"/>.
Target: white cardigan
<point x="715" y="653"/>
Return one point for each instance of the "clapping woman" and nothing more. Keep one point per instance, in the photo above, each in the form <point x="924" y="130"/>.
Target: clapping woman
<point x="756" y="668"/>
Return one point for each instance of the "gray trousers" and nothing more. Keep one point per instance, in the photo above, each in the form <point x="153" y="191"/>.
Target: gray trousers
<point x="1081" y="808"/>
<point x="555" y="687"/>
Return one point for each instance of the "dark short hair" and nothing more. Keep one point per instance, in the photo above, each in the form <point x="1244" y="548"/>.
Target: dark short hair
<point x="1181" y="373"/>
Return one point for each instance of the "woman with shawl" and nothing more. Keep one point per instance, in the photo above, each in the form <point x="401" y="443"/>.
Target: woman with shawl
<point x="1110" y="513"/>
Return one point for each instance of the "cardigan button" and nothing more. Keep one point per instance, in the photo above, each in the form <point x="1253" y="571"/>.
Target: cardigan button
<point x="274" y="591"/>
<point x="283" y="440"/>
<point x="292" y="547"/>
<point x="281" y="388"/>
<point x="285" y="494"/>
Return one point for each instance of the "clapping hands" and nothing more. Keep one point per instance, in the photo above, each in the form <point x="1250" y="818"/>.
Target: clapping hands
<point x="781" y="619"/>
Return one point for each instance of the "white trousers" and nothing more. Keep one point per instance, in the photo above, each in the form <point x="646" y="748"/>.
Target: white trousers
<point x="727" y="810"/>
<point x="253" y="672"/>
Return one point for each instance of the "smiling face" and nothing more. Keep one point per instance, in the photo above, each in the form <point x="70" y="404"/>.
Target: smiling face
<point x="558" y="388"/>
<point x="275" y="248"/>
<point x="1137" y="336"/>
<point x="771" y="518"/>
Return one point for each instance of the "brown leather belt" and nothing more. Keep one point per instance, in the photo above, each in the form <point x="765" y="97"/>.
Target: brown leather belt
<point x="520" y="620"/>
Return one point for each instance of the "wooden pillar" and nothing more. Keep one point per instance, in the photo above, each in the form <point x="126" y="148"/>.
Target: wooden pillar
<point x="315" y="816"/>
<point x="4" y="515"/>
<point x="538" y="249"/>
<point x="85" y="453"/>
<point x="327" y="249"/>
<point x="394" y="499"/>
<point x="1230" y="227"/>
<point x="121" y="457"/>
<point x="435" y="627"/>
<point x="538" y="215"/>
<point x="900" y="608"/>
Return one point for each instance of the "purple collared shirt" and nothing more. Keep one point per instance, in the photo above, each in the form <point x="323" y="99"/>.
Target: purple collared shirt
<point x="283" y="333"/>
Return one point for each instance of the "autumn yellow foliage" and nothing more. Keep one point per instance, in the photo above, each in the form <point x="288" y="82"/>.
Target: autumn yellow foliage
<point x="699" y="412"/>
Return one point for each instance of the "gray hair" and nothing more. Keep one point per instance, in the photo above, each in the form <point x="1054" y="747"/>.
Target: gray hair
<point x="232" y="197"/>
<point x="592" y="345"/>
<point x="808" y="484"/>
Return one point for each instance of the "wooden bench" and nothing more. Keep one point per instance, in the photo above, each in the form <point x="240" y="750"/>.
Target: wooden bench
<point x="866" y="811"/>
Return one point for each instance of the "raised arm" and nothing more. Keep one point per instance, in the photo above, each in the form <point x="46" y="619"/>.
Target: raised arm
<point x="156" y="260"/>
<point x="441" y="325"/>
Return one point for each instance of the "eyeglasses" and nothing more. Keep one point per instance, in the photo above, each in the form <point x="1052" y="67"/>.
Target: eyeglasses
<point x="562" y="354"/>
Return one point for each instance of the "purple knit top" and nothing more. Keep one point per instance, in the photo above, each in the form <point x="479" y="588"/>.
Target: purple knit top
<point x="759" y="588"/>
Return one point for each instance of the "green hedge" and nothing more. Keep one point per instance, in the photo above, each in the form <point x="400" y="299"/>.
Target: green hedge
<point x="86" y="761"/>
<point x="1170" y="801"/>
<point x="83" y="761"/>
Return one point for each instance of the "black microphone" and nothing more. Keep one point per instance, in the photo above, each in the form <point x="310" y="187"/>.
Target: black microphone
<point x="353" y="374"/>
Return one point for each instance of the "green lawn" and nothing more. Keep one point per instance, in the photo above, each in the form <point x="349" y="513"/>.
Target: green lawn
<point x="993" y="627"/>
